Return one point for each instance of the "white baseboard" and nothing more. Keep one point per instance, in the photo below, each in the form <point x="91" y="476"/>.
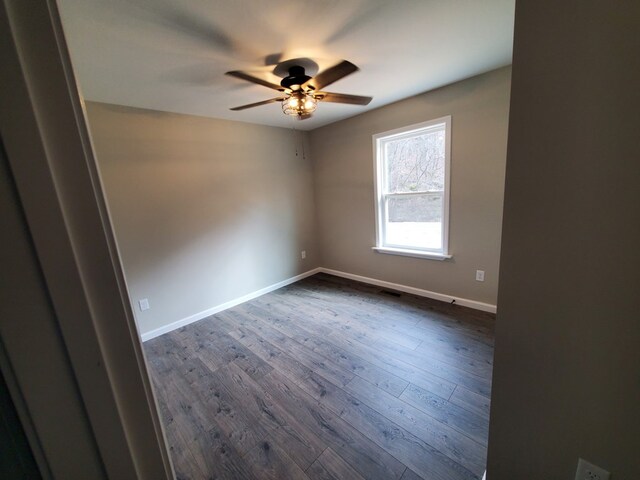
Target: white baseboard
<point x="224" y="306"/>
<point x="371" y="281"/>
<point x="485" y="307"/>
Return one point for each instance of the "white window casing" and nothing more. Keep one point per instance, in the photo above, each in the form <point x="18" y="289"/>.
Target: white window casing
<point x="422" y="241"/>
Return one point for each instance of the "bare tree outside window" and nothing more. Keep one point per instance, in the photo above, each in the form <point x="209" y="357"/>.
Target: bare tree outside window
<point x="416" y="163"/>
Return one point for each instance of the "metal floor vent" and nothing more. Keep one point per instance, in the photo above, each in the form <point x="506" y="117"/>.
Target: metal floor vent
<point x="390" y="292"/>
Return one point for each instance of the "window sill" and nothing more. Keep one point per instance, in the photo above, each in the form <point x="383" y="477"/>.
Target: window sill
<point x="412" y="253"/>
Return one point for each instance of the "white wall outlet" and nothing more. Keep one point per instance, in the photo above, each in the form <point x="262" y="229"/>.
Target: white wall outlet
<point x="480" y="275"/>
<point x="303" y="254"/>
<point x="144" y="304"/>
<point x="588" y="471"/>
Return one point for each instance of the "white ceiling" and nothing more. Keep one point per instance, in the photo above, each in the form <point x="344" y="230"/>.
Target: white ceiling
<point x="171" y="55"/>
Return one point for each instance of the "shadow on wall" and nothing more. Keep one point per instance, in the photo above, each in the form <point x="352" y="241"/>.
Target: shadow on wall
<point x="204" y="210"/>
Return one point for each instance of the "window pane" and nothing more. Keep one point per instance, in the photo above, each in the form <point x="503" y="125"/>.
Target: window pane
<point x="417" y="163"/>
<point x="415" y="221"/>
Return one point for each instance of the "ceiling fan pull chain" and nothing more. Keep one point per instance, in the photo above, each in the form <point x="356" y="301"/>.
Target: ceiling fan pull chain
<point x="295" y="143"/>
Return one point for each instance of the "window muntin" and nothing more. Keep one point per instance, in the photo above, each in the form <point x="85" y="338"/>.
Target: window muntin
<point x="412" y="187"/>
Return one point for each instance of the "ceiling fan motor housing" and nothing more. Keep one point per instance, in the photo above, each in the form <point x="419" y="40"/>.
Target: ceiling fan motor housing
<point x="296" y="77"/>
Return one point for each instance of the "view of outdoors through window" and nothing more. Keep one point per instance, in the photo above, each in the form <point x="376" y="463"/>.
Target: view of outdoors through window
<point x="414" y="189"/>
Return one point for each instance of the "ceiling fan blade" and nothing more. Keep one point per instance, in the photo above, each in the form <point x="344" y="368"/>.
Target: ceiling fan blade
<point x="257" y="104"/>
<point x="343" y="98"/>
<point x="331" y="74"/>
<point x="252" y="79"/>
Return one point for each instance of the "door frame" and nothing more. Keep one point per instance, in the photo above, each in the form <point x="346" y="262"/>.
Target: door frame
<point x="44" y="130"/>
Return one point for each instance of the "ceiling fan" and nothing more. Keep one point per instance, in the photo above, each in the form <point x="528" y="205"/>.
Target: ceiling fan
<point x="301" y="92"/>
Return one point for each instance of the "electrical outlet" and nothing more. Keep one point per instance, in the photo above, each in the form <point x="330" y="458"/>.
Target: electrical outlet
<point x="303" y="254"/>
<point x="144" y="304"/>
<point x="588" y="471"/>
<point x="480" y="275"/>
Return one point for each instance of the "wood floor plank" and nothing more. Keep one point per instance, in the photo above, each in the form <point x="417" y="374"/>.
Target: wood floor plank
<point x="449" y="452"/>
<point x="476" y="374"/>
<point x="406" y="447"/>
<point x="455" y="348"/>
<point x="381" y="378"/>
<point x="389" y="320"/>
<point x="217" y="459"/>
<point x="391" y="323"/>
<point x="178" y="438"/>
<point x="208" y="403"/>
<point x="434" y="383"/>
<point x="237" y="424"/>
<point x="344" y="319"/>
<point x="279" y="359"/>
<point x="327" y="379"/>
<point x="433" y="333"/>
<point x="190" y="345"/>
<point x="306" y="356"/>
<point x="398" y="368"/>
<point x="275" y="308"/>
<point x="462" y="420"/>
<point x="456" y="328"/>
<point x="269" y="462"/>
<point x="476" y="383"/>
<point x="162" y="354"/>
<point x="457" y="446"/>
<point x="482" y="367"/>
<point x="218" y="344"/>
<point x="478" y="404"/>
<point x="411" y="475"/>
<point x="201" y="447"/>
<point x="348" y="361"/>
<point x="363" y="455"/>
<point x="302" y="444"/>
<point x="331" y="466"/>
<point x="368" y="330"/>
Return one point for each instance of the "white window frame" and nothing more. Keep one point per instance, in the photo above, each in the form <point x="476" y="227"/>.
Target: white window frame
<point x="381" y="198"/>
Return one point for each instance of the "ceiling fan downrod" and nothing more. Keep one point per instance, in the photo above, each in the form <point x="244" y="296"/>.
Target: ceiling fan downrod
<point x="296" y="78"/>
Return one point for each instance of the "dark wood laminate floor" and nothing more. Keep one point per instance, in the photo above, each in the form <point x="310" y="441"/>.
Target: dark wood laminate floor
<point x="328" y="379"/>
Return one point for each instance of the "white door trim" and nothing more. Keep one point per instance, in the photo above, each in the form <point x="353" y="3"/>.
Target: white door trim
<point x="46" y="139"/>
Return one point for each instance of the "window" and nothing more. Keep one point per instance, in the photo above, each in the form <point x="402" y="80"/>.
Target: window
<point x="412" y="189"/>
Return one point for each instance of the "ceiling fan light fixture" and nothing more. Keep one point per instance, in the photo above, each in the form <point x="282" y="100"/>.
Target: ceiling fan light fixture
<point x="299" y="104"/>
<point x="300" y="92"/>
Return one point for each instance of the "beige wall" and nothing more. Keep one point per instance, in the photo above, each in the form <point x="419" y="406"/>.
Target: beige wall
<point x="567" y="360"/>
<point x="204" y="211"/>
<point x="343" y="168"/>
